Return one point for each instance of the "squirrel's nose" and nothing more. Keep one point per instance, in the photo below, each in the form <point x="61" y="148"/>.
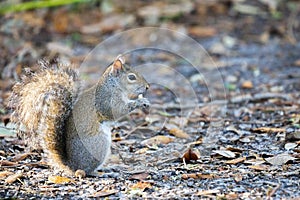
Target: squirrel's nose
<point x="147" y="86"/>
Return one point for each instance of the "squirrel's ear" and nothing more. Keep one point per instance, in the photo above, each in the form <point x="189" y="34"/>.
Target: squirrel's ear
<point x="118" y="64"/>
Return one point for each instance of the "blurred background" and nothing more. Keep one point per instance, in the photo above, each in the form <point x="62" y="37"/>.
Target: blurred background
<point x="243" y="37"/>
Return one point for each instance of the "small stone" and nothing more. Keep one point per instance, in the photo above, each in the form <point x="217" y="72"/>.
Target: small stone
<point x="247" y="85"/>
<point x="290" y="145"/>
<point x="231" y="79"/>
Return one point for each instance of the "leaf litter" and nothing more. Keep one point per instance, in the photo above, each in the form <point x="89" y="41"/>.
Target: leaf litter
<point x="256" y="152"/>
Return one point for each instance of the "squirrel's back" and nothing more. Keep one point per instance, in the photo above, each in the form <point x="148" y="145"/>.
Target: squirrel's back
<point x="42" y="103"/>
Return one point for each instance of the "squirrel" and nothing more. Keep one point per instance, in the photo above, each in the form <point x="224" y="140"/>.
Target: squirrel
<point x="73" y="127"/>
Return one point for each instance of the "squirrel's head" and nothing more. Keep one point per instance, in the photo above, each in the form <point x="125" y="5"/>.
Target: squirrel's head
<point x="130" y="81"/>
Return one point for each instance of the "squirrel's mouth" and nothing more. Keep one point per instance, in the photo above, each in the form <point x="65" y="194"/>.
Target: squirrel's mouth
<point x="136" y="96"/>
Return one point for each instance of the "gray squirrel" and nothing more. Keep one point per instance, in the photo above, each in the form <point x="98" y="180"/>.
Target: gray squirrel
<point x="71" y="127"/>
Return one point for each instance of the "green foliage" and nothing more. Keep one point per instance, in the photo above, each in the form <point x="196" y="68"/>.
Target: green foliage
<point x="8" y="7"/>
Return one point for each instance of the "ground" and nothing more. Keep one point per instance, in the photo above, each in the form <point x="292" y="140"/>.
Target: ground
<point x="225" y="117"/>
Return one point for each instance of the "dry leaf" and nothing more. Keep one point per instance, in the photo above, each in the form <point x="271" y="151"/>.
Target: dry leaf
<point x="32" y="20"/>
<point x="109" y="24"/>
<point x="159" y="139"/>
<point x="190" y="155"/>
<point x="8" y="163"/>
<point x="257" y="161"/>
<point x="290" y="145"/>
<point x="269" y="130"/>
<point x="195" y="143"/>
<point x="178" y="133"/>
<point x="141" y="185"/>
<point x="104" y="193"/>
<point x="297" y="63"/>
<point x="259" y="167"/>
<point x="13" y="178"/>
<point x="198" y="176"/>
<point x="207" y="192"/>
<point x="202" y="31"/>
<point x="61" y="22"/>
<point x="234" y="149"/>
<point x="5" y="174"/>
<point x="2" y="153"/>
<point x="142" y="150"/>
<point x="225" y="153"/>
<point x="141" y="176"/>
<point x="235" y="161"/>
<point x="231" y="195"/>
<point x="280" y="159"/>
<point x="59" y="179"/>
<point x="22" y="156"/>
<point x="247" y="85"/>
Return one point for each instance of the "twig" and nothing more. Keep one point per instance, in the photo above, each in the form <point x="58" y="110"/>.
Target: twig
<point x="167" y="160"/>
<point x="234" y="100"/>
<point x="259" y="97"/>
<point x="183" y="107"/>
<point x="134" y="129"/>
<point x="273" y="191"/>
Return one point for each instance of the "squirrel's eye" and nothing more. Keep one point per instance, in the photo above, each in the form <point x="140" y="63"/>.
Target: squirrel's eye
<point x="131" y="77"/>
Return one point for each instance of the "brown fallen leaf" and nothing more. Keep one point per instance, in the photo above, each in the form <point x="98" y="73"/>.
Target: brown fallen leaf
<point x="61" y="22"/>
<point x="190" y="155"/>
<point x="235" y="161"/>
<point x="297" y="63"/>
<point x="280" y="159"/>
<point x="247" y="85"/>
<point x="259" y="167"/>
<point x="141" y="185"/>
<point x="142" y="150"/>
<point x="225" y="153"/>
<point x="22" y="156"/>
<point x="197" y="176"/>
<point x="231" y="195"/>
<point x="13" y="178"/>
<point x="202" y="31"/>
<point x="207" y="192"/>
<point x="268" y="130"/>
<point x="257" y="161"/>
<point x="2" y="153"/>
<point x="141" y="176"/>
<point x="156" y="140"/>
<point x="8" y="163"/>
<point x="237" y="150"/>
<point x="48" y="188"/>
<point x="59" y="179"/>
<point x="104" y="193"/>
<point x="5" y="174"/>
<point x="179" y="133"/>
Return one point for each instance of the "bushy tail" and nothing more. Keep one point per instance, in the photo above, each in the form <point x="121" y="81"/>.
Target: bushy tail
<point x="42" y="102"/>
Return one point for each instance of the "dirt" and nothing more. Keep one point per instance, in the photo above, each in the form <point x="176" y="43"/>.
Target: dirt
<point x="237" y="138"/>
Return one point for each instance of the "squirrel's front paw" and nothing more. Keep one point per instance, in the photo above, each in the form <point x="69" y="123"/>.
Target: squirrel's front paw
<point x="142" y="104"/>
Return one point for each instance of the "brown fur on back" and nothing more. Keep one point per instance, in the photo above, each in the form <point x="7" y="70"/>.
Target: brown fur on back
<point x="42" y="102"/>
